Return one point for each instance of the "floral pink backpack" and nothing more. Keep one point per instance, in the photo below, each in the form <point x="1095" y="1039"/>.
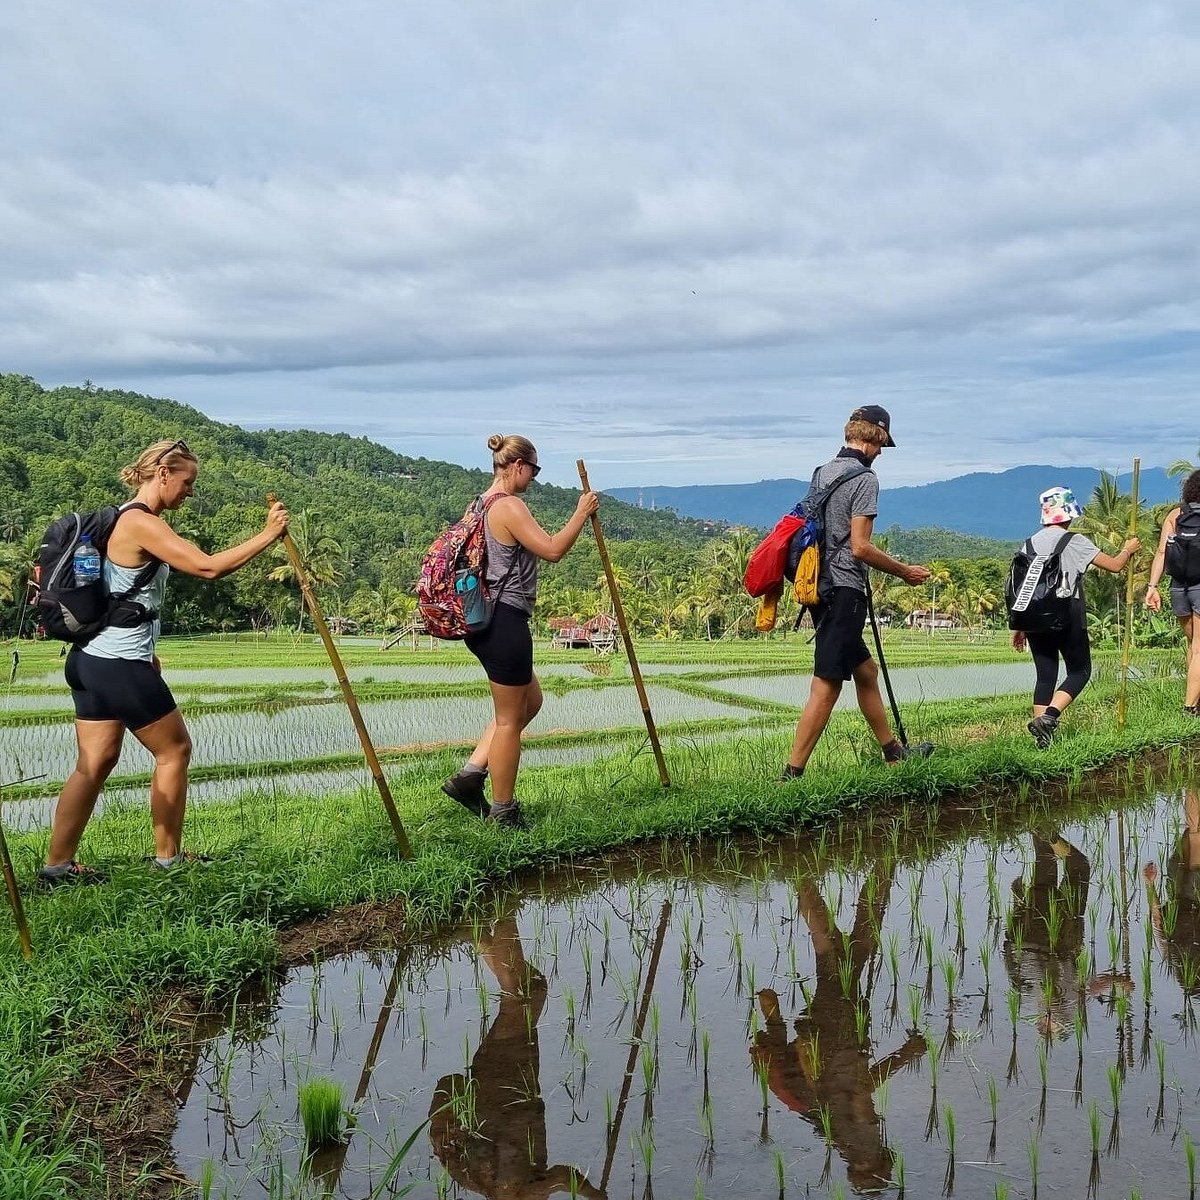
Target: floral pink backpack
<point x="452" y="592"/>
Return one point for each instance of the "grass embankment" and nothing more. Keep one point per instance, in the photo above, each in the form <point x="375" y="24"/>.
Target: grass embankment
<point x="108" y="956"/>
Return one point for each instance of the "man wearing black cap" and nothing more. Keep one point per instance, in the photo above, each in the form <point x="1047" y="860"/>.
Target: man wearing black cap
<point x="841" y="651"/>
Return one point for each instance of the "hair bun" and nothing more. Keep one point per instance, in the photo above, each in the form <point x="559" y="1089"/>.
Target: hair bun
<point x="495" y="442"/>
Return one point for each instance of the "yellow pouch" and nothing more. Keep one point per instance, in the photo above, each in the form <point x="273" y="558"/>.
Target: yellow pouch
<point x="768" y="610"/>
<point x="807" y="570"/>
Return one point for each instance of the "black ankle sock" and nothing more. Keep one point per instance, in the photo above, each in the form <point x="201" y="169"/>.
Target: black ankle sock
<point x="891" y="750"/>
<point x="1052" y="712"/>
<point x="790" y="772"/>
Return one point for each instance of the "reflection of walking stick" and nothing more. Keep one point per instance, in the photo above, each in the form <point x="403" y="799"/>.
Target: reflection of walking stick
<point x="351" y="703"/>
<point x="639" y="1023"/>
<point x="331" y="1168"/>
<point x="663" y="777"/>
<point x="1127" y="638"/>
<point x="14" y="897"/>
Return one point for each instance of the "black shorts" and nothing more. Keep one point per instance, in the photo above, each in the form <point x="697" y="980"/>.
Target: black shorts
<point x="506" y="647"/>
<point x="128" y="690"/>
<point x="840" y="645"/>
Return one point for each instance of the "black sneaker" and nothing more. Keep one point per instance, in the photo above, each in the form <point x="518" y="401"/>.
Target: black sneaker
<point x="789" y="774"/>
<point x="1043" y="728"/>
<point x="72" y="875"/>
<point x="185" y="858"/>
<point x="898" y="752"/>
<point x="508" y="815"/>
<point x="468" y="791"/>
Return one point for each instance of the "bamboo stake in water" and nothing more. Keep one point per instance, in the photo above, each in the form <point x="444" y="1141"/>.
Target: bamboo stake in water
<point x="1126" y="638"/>
<point x="14" y="897"/>
<point x="643" y="699"/>
<point x="339" y="670"/>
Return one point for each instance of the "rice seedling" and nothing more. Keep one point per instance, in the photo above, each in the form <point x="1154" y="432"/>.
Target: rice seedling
<point x="322" y="1111"/>
<point x="1189" y="1151"/>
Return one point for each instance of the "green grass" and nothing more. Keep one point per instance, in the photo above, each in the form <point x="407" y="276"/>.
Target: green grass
<point x="109" y="956"/>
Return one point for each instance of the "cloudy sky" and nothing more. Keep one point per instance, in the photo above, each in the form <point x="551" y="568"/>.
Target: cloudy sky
<point x="678" y="238"/>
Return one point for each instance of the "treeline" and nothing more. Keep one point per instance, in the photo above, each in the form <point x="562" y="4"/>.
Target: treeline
<point x="363" y="516"/>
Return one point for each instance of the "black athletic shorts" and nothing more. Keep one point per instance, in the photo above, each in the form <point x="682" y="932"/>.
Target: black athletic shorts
<point x="840" y="645"/>
<point x="506" y="647"/>
<point x="128" y="690"/>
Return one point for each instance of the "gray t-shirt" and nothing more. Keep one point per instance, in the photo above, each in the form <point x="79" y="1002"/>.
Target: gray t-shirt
<point x="1076" y="556"/>
<point x="858" y="498"/>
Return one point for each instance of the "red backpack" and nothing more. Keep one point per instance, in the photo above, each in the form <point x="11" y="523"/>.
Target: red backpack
<point x="452" y="592"/>
<point x="768" y="562"/>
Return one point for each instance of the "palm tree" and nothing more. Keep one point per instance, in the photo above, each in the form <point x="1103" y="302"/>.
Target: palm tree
<point x="319" y="551"/>
<point x="1181" y="466"/>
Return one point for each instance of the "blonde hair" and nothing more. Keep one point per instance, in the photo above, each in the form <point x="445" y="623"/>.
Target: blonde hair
<point x="508" y="448"/>
<point x="167" y="453"/>
<point x="866" y="432"/>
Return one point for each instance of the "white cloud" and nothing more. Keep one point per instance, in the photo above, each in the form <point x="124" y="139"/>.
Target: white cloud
<point x="682" y="239"/>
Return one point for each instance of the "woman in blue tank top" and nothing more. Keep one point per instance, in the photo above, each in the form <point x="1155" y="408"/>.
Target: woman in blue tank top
<point x="515" y="544"/>
<point x="115" y="679"/>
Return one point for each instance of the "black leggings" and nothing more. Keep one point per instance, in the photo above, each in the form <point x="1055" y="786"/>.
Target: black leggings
<point x="1072" y="645"/>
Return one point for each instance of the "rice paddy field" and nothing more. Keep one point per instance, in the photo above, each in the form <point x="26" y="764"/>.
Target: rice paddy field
<point x="971" y="975"/>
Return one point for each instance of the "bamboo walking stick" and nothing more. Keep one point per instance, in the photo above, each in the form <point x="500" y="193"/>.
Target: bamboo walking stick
<point x="630" y="653"/>
<point x="14" y="897"/>
<point x="339" y="670"/>
<point x="1127" y="635"/>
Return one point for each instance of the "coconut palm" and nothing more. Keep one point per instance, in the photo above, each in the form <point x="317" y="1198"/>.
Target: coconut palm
<point x="320" y="553"/>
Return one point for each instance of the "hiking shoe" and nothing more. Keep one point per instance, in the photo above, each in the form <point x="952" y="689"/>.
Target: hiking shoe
<point x="185" y="858"/>
<point x="898" y="752"/>
<point x="1191" y="710"/>
<point x="468" y="791"/>
<point x="508" y="815"/>
<point x="1043" y="728"/>
<point x="789" y="774"/>
<point x="72" y="874"/>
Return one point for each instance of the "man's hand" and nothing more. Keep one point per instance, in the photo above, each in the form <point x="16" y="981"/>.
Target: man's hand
<point x="914" y="576"/>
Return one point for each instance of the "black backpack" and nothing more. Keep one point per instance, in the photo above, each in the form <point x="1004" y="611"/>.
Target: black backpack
<point x="1034" y="605"/>
<point x="1183" y="548"/>
<point x="74" y="613"/>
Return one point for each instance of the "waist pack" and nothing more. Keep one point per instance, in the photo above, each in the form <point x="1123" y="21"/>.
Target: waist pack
<point x="1031" y="594"/>
<point x="452" y="593"/>
<point x="74" y="612"/>
<point x="1183" y="548"/>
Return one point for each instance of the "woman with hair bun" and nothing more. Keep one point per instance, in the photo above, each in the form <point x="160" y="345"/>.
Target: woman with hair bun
<point x="115" y="678"/>
<point x="515" y="544"/>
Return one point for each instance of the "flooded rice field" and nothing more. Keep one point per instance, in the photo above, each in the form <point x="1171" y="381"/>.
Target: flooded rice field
<point x="973" y="1000"/>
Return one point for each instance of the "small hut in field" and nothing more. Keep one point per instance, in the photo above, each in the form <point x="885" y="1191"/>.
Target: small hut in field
<point x="598" y="633"/>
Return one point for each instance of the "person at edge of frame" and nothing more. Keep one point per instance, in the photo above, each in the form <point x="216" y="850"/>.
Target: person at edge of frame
<point x="515" y="544"/>
<point x="841" y="651"/>
<point x="1051" y="698"/>
<point x="1185" y="599"/>
<point x="116" y="679"/>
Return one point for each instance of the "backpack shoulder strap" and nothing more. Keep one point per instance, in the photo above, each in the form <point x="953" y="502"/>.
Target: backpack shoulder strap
<point x="837" y="483"/>
<point x="147" y="573"/>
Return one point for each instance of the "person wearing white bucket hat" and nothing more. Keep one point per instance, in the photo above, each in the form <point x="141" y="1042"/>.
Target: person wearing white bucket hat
<point x="1068" y="642"/>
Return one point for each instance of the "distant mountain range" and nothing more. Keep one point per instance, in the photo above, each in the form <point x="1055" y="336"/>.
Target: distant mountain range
<point x="1000" y="504"/>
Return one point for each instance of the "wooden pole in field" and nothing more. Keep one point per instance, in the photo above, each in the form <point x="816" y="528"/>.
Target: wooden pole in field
<point x="1127" y="634"/>
<point x="14" y="897"/>
<point x="630" y="653"/>
<point x="339" y="670"/>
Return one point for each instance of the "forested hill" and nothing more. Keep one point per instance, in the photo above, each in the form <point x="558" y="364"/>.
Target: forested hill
<point x="62" y="450"/>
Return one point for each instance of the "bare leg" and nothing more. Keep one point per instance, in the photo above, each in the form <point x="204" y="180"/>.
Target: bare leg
<point x="99" y="748"/>
<point x="480" y="756"/>
<point x="1060" y="700"/>
<point x="171" y="744"/>
<point x="822" y="696"/>
<point x="1191" y="630"/>
<point x="870" y="702"/>
<point x="515" y="708"/>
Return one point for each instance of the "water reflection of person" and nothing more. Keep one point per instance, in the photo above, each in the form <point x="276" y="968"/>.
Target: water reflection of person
<point x="503" y="1153"/>
<point x="1049" y="897"/>
<point x="826" y="1066"/>
<point x="1181" y="946"/>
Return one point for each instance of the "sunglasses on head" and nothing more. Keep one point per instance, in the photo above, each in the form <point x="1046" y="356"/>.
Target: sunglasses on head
<point x="179" y="445"/>
<point x="535" y="468"/>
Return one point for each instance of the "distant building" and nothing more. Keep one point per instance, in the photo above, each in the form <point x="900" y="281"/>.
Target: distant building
<point x="598" y="634"/>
